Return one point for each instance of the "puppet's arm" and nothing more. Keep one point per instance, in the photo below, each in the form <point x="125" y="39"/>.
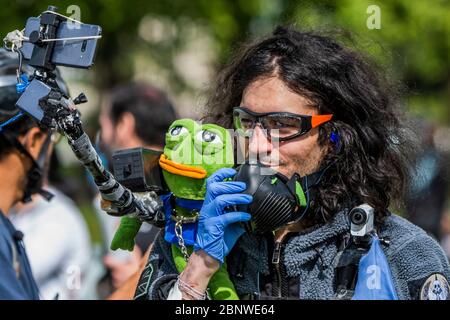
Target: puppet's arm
<point x="125" y="234"/>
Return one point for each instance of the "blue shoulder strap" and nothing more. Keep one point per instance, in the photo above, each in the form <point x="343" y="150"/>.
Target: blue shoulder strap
<point x="374" y="276"/>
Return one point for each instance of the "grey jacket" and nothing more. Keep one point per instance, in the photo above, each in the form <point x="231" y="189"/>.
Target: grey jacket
<point x="412" y="255"/>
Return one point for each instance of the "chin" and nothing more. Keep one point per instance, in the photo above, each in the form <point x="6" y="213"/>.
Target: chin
<point x="283" y="170"/>
<point x="286" y="170"/>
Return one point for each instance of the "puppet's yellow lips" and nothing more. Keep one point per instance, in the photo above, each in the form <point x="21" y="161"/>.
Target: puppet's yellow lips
<point x="181" y="169"/>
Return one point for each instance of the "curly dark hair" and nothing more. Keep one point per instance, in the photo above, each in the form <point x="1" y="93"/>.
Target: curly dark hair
<point x="373" y="160"/>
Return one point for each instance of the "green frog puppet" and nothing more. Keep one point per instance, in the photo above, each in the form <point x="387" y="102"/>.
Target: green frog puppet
<point x="191" y="154"/>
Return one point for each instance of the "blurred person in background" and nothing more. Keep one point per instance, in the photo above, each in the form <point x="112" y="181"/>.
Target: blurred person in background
<point x="134" y="115"/>
<point x="58" y="244"/>
<point x="425" y="204"/>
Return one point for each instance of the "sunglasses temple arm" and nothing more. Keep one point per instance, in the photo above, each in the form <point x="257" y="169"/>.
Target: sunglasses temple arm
<point x="318" y="120"/>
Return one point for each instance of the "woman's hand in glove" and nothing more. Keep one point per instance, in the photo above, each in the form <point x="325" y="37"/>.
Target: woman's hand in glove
<point x="218" y="229"/>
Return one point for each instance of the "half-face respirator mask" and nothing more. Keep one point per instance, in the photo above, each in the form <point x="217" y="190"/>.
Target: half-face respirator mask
<point x="277" y="200"/>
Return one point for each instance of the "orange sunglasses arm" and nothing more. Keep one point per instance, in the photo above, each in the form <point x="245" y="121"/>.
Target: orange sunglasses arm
<point x="318" y="120"/>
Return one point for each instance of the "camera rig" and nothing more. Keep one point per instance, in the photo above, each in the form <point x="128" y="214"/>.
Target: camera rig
<point x="43" y="99"/>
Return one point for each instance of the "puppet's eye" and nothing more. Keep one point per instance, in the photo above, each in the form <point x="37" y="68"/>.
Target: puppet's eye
<point x="178" y="130"/>
<point x="208" y="136"/>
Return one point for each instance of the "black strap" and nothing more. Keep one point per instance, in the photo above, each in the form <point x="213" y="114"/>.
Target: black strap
<point x="346" y="265"/>
<point x="37" y="165"/>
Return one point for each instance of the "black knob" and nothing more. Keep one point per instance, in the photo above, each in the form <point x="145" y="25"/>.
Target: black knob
<point x="80" y="99"/>
<point x="18" y="235"/>
<point x="35" y="37"/>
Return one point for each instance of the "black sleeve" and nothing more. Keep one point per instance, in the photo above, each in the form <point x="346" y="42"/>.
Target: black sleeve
<point x="159" y="274"/>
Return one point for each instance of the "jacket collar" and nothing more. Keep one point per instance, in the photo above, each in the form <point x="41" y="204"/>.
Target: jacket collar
<point x="300" y="248"/>
<point x="309" y="245"/>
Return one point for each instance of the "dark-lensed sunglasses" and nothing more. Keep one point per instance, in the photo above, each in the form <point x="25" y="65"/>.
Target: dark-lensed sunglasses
<point x="277" y="125"/>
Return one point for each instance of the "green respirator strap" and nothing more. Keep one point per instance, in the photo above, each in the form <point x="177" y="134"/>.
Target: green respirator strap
<point x="295" y="186"/>
<point x="301" y="198"/>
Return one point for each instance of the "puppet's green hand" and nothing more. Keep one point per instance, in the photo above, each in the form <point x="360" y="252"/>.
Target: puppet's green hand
<point x="125" y="234"/>
<point x="221" y="287"/>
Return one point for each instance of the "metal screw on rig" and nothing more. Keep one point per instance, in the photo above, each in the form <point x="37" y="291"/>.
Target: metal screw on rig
<point x="179" y="235"/>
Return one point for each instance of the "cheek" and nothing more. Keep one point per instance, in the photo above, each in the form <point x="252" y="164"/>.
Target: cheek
<point x="23" y="168"/>
<point x="301" y="155"/>
<point x="302" y="149"/>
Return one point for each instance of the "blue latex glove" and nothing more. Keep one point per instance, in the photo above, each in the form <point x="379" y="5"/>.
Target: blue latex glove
<point x="218" y="230"/>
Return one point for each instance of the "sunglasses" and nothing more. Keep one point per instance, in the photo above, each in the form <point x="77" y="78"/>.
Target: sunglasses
<point x="277" y="125"/>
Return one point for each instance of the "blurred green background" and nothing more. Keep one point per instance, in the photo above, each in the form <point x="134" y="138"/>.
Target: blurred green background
<point x="180" y="44"/>
<point x="413" y="40"/>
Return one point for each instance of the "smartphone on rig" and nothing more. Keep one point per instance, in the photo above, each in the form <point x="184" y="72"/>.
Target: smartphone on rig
<point x="69" y="53"/>
<point x="74" y="46"/>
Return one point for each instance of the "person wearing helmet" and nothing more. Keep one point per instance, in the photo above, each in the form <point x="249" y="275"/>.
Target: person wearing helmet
<point x="24" y="150"/>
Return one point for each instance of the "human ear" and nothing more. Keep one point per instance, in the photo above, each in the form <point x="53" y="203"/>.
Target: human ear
<point x="33" y="141"/>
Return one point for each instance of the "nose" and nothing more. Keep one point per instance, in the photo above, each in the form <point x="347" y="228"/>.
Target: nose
<point x="259" y="143"/>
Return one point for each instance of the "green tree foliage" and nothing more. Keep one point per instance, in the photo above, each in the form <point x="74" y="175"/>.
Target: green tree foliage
<point x="413" y="41"/>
